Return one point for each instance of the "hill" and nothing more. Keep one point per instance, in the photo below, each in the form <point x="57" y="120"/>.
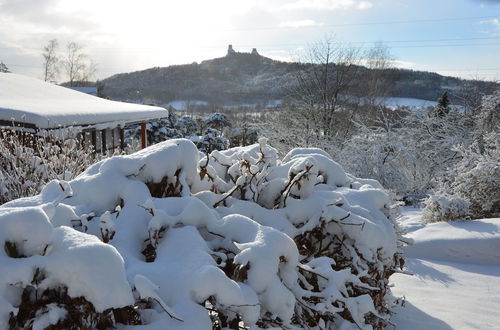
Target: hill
<point x="250" y="78"/>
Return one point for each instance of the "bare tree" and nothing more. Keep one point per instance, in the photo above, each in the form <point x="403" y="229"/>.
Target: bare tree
<point x="378" y="60"/>
<point x="50" y="60"/>
<point x="89" y="72"/>
<point x="323" y="84"/>
<point x="77" y="64"/>
<point x="469" y="96"/>
<point x="379" y="84"/>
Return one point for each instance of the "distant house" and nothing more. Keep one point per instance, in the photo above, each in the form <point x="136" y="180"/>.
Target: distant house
<point x="36" y="105"/>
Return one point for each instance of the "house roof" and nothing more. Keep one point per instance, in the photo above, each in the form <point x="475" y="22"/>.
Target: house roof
<point x="45" y="105"/>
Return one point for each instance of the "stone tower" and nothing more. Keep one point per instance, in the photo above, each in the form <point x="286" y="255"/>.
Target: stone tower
<point x="254" y="51"/>
<point x="230" y="50"/>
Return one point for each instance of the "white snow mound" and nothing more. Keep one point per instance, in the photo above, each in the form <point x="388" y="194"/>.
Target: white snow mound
<point x="475" y="241"/>
<point x="238" y="236"/>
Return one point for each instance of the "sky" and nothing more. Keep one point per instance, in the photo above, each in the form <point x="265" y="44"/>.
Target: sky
<point x="452" y="37"/>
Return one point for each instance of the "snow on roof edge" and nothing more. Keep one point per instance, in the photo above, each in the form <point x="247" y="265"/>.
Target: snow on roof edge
<point x="26" y="100"/>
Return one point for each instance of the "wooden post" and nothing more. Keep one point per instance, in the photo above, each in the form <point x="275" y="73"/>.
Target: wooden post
<point x="122" y="138"/>
<point x="144" y="141"/>
<point x="94" y="139"/>
<point x="104" y="142"/>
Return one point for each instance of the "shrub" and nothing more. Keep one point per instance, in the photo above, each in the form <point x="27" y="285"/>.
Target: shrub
<point x="445" y="208"/>
<point x="29" y="161"/>
<point x="235" y="239"/>
<point x="476" y="177"/>
<point x="214" y="135"/>
<point x="481" y="186"/>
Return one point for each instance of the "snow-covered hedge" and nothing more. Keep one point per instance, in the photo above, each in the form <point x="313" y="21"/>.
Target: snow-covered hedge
<point x="29" y="161"/>
<point x="169" y="240"/>
<point x="481" y="186"/>
<point x="211" y="138"/>
<point x="477" y="176"/>
<point x="445" y="208"/>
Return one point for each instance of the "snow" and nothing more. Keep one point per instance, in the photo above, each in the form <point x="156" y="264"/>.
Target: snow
<point x="456" y="281"/>
<point x="89" y="235"/>
<point x="475" y="241"/>
<point x="81" y="262"/>
<point x="45" y="105"/>
<point x="226" y="238"/>
<point x="413" y="103"/>
<point x="51" y="317"/>
<point x="183" y="105"/>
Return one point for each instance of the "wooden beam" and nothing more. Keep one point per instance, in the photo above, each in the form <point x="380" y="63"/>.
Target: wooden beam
<point x="144" y="141"/>
<point x="10" y="123"/>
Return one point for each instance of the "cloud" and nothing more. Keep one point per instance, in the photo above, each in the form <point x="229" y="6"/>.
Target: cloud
<point x="495" y="22"/>
<point x="329" y="4"/>
<point x="301" y="23"/>
<point x="38" y="17"/>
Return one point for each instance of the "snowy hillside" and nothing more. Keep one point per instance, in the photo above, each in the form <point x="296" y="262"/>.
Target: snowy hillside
<point x="456" y="275"/>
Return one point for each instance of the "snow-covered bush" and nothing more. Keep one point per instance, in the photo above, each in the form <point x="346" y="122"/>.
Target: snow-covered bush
<point x="246" y="134"/>
<point x="217" y="121"/>
<point x="235" y="239"/>
<point x="56" y="276"/>
<point x="481" y="186"/>
<point x="186" y="125"/>
<point x="477" y="176"/>
<point x="29" y="161"/>
<point x="210" y="141"/>
<point x="445" y="208"/>
<point x="489" y="115"/>
<point x="161" y="130"/>
<point x="388" y="158"/>
<point x="213" y="135"/>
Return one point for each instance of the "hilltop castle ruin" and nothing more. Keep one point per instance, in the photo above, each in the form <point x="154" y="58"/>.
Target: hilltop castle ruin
<point x="231" y="51"/>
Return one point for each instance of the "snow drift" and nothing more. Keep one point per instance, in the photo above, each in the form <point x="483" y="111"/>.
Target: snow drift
<point x="165" y="239"/>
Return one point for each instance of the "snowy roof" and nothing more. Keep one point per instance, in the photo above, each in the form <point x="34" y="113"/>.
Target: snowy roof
<point x="44" y="105"/>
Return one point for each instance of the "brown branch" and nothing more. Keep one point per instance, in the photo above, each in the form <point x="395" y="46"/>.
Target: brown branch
<point x="172" y="316"/>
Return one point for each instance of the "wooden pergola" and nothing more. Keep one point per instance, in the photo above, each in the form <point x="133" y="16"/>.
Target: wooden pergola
<point x="35" y="105"/>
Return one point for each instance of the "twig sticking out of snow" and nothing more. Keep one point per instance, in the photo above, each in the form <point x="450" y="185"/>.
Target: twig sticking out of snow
<point x="147" y="290"/>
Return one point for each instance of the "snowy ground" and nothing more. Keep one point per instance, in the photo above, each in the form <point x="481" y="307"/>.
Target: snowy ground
<point x="456" y="282"/>
<point x="414" y="104"/>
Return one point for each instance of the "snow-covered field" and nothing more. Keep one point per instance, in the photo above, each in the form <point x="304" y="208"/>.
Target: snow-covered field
<point x="183" y="105"/>
<point x="391" y="102"/>
<point x="412" y="103"/>
<point x="456" y="281"/>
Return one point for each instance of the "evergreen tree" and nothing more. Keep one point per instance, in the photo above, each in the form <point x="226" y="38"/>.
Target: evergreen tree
<point x="3" y="67"/>
<point x="443" y="106"/>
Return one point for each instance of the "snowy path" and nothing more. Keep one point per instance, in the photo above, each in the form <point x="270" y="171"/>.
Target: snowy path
<point x="456" y="282"/>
